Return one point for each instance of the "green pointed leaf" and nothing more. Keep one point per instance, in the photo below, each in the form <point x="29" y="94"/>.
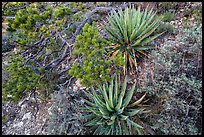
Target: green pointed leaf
<point x="121" y="94"/>
<point x="111" y="122"/>
<point x="123" y="117"/>
<point x="144" y="36"/>
<point x="95" y="110"/>
<point x="111" y="94"/>
<point x="93" y="121"/>
<point x="89" y="116"/>
<point x="97" y="99"/>
<point x="124" y="128"/>
<point x="112" y="130"/>
<point x="115" y="91"/>
<point x="96" y="132"/>
<point x="134" y="124"/>
<point x="90" y="103"/>
<point x="130" y="22"/>
<point x="116" y="17"/>
<point x="109" y="130"/>
<point x="129" y="96"/>
<point x="120" y="111"/>
<point x="105" y="97"/>
<point x="132" y="112"/>
<point x="147" y="40"/>
<point x="142" y="47"/>
<point x="117" y="129"/>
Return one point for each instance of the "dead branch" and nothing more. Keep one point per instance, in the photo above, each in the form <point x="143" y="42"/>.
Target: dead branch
<point x="37" y="105"/>
<point x="4" y="5"/>
<point x="8" y="17"/>
<point x="68" y="81"/>
<point x="88" y="15"/>
<point x="39" y="51"/>
<point x="47" y="55"/>
<point x="56" y="61"/>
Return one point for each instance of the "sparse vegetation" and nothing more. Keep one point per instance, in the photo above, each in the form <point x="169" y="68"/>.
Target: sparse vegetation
<point x="168" y="16"/>
<point x="167" y="28"/>
<point x="61" y="62"/>
<point x="178" y="83"/>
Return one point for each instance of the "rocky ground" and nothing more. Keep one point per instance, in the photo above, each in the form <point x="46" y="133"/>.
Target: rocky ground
<point x="20" y="119"/>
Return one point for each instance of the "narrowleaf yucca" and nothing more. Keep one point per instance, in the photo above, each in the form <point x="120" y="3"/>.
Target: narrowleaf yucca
<point x="131" y="31"/>
<point x="111" y="110"/>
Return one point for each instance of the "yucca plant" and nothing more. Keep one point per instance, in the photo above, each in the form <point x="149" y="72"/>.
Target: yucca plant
<point x="131" y="31"/>
<point x="111" y="111"/>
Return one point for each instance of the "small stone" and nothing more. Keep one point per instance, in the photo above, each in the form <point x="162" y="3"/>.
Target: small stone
<point x="27" y="116"/>
<point x="172" y="22"/>
<point x="49" y="111"/>
<point x="79" y="85"/>
<point x="20" y="124"/>
<point x="75" y="88"/>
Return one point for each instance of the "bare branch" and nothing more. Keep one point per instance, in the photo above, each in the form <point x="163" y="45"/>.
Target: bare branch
<point x="56" y="61"/>
<point x="8" y="17"/>
<point x="68" y="81"/>
<point x="87" y="16"/>
<point x="46" y="56"/>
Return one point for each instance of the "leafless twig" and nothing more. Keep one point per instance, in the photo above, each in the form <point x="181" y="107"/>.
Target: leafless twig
<point x="88" y="15"/>
<point x="56" y="61"/>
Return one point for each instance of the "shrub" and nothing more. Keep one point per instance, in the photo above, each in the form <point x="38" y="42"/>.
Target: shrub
<point x="112" y="111"/>
<point x="166" y="27"/>
<point x="21" y="80"/>
<point x="65" y="118"/>
<point x="130" y="31"/>
<point x="38" y="25"/>
<point x="168" y="16"/>
<point x="38" y="31"/>
<point x="6" y="46"/>
<point x="10" y="8"/>
<point x="177" y="82"/>
<point x="94" y="66"/>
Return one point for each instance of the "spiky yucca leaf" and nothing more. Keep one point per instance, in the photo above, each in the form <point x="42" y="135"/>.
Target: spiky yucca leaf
<point x="132" y="30"/>
<point x="109" y="111"/>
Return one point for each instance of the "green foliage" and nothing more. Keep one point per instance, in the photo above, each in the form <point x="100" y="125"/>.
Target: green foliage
<point x="119" y="60"/>
<point x="10" y="8"/>
<point x="166" y="27"/>
<point x="4" y="119"/>
<point x="40" y="20"/>
<point x="197" y="13"/>
<point x="94" y="66"/>
<point x="168" y="16"/>
<point x="193" y="40"/>
<point x="178" y="83"/>
<point x="22" y="79"/>
<point x="111" y="110"/>
<point x="6" y="46"/>
<point x="61" y="12"/>
<point x="35" y="30"/>
<point x="131" y="30"/>
<point x="27" y="21"/>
